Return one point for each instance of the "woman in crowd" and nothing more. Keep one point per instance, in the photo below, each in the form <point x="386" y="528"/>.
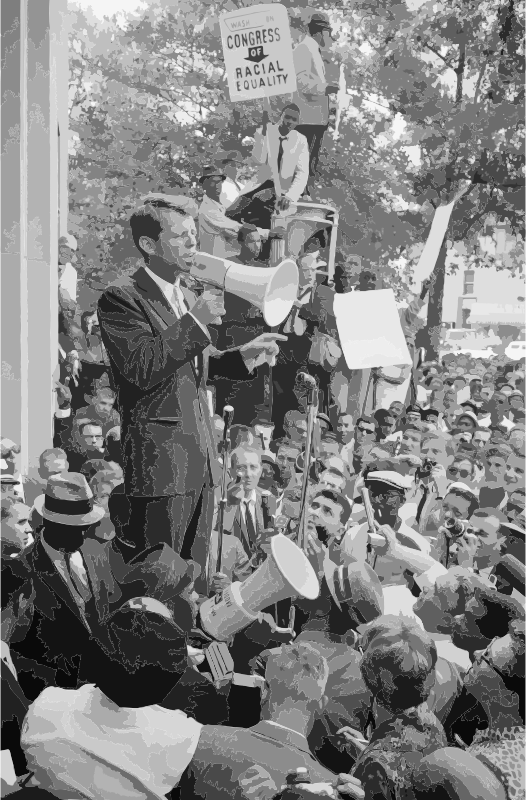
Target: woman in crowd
<point x="497" y="681"/>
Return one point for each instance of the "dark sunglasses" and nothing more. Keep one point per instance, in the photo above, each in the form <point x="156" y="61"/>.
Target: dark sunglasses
<point x="363" y="430"/>
<point x="462" y="473"/>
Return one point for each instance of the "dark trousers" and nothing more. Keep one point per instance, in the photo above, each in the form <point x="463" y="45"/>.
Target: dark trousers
<point x="314" y="135"/>
<point x="182" y="521"/>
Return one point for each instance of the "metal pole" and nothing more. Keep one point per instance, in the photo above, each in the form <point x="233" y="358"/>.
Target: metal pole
<point x="312" y="404"/>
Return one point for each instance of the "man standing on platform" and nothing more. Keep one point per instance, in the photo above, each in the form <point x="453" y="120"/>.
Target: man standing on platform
<point x="232" y="187"/>
<point x="155" y="332"/>
<point x="312" y="96"/>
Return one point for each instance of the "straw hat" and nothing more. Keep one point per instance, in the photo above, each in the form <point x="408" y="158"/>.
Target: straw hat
<point x="357" y="586"/>
<point x="68" y="501"/>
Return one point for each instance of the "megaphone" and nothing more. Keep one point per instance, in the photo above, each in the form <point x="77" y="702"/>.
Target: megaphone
<point x="286" y="572"/>
<point x="273" y="290"/>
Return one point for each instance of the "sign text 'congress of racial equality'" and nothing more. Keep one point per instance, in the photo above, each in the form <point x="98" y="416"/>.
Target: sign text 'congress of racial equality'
<point x="257" y="47"/>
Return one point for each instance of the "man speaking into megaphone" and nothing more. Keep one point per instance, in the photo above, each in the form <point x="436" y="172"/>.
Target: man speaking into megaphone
<point x="154" y="328"/>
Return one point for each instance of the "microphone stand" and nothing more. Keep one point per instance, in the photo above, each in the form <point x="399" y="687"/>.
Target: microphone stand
<point x="228" y="414"/>
<point x="312" y="411"/>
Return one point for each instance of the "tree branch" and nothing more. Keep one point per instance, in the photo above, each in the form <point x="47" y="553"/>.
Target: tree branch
<point x="435" y="51"/>
<point x="460" y="71"/>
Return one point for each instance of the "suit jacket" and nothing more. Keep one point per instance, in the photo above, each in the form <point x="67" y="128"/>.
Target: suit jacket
<point x="310" y="98"/>
<point x="236" y="525"/>
<point x="167" y="438"/>
<point x="224" y="755"/>
<point x="294" y="172"/>
<point x="234" y="560"/>
<point x="14" y="708"/>
<point x="59" y="632"/>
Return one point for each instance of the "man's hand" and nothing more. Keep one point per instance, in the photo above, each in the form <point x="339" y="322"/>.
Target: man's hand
<point x="74" y="366"/>
<point x="277" y="233"/>
<point x="354" y="737"/>
<point x="220" y="582"/>
<point x="63" y="396"/>
<point x="283" y="203"/>
<point x="265" y="195"/>
<point x="466" y="549"/>
<point x="391" y="542"/>
<point x="261" y="350"/>
<point x="114" y="433"/>
<point x="332" y="89"/>
<point x="348" y="786"/>
<point x="440" y="479"/>
<point x="426" y="285"/>
<point x="209" y="307"/>
<point x="410" y="459"/>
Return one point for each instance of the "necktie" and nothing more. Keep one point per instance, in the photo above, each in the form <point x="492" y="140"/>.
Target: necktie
<point x="249" y="520"/>
<point x="280" y="152"/>
<point x="425" y="492"/>
<point x="80" y="587"/>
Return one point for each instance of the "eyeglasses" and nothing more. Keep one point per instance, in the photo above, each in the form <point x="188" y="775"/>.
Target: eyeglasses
<point x="485" y="657"/>
<point x="462" y="473"/>
<point x="363" y="430"/>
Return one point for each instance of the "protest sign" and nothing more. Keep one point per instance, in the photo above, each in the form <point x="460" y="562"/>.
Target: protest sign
<point x="257" y="48"/>
<point x="370" y="330"/>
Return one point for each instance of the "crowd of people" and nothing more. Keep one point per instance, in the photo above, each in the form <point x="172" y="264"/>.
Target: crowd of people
<point x="405" y="676"/>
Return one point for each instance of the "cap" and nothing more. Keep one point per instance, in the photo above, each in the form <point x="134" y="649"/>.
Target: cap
<point x="394" y="479"/>
<point x="211" y="172"/>
<point x="230" y="155"/>
<point x="68" y="501"/>
<point x="320" y="21"/>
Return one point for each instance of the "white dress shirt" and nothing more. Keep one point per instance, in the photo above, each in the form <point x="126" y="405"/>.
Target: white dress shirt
<point x="78" y="740"/>
<point x="249" y="501"/>
<point x="230" y="191"/>
<point x="294" y="169"/>
<point x="5" y="655"/>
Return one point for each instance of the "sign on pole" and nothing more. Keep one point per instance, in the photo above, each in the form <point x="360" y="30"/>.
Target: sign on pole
<point x="257" y="47"/>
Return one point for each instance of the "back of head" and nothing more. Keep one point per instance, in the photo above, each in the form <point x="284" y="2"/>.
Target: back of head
<point x="145" y="649"/>
<point x="296" y="673"/>
<point x="453" y="774"/>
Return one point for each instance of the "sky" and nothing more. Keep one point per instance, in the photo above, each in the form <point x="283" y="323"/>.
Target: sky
<point x="102" y="8"/>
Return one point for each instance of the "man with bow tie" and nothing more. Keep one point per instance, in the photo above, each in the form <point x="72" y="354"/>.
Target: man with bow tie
<point x="155" y="332"/>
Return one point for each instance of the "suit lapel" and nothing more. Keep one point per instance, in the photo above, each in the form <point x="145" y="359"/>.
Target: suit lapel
<point x="48" y="573"/>
<point x="153" y="296"/>
<point x="282" y="735"/>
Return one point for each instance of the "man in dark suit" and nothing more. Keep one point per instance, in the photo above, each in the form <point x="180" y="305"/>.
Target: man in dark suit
<point x="74" y="582"/>
<point x="159" y="355"/>
<point x="16" y="606"/>
<point x="295" y="680"/>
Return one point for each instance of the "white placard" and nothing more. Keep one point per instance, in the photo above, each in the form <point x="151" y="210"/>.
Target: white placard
<point x="257" y="47"/>
<point x="370" y="331"/>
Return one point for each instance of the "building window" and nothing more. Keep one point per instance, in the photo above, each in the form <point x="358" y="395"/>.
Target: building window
<point x="465" y="316"/>
<point x="469" y="281"/>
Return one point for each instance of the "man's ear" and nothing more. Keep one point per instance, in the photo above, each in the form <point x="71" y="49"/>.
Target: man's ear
<point x="147" y="244"/>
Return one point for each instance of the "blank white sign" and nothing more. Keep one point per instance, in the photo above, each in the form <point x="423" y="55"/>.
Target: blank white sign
<point x="370" y="331"/>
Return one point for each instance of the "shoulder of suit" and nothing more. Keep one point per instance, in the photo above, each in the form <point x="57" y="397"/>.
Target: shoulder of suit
<point x="120" y="287"/>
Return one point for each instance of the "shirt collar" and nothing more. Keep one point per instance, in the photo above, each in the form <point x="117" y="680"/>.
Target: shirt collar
<point x="55" y="555"/>
<point x="252" y="497"/>
<point x="214" y="203"/>
<point x="164" y="286"/>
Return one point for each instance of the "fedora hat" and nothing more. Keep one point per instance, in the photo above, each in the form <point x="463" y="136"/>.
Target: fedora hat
<point x="68" y="501"/>
<point x="158" y="572"/>
<point x="230" y="155"/>
<point x="211" y="172"/>
<point x="357" y="586"/>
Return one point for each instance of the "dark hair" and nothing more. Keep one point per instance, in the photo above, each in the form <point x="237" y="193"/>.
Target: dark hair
<point x="397" y="668"/>
<point x="368" y="420"/>
<point x="91" y="423"/>
<point x="338" y="499"/>
<point x="145" y="222"/>
<point x="7" y="506"/>
<point x="244" y="232"/>
<point x="145" y="653"/>
<point x="291" y="105"/>
<point x="500" y="612"/>
<point x="15" y="580"/>
<point x="119" y="509"/>
<point x="382" y="414"/>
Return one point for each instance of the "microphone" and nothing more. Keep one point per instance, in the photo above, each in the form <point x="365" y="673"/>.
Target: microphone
<point x="228" y="415"/>
<point x="306" y="380"/>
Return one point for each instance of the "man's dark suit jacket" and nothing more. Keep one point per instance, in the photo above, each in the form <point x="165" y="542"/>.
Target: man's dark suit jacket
<point x="58" y="633"/>
<point x="224" y="754"/>
<point x="167" y="437"/>
<point x="236" y="525"/>
<point x="13" y="710"/>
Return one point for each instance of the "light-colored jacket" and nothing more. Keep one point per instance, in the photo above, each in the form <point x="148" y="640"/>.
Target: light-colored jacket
<point x="294" y="172"/>
<point x="218" y="233"/>
<point x="311" y="81"/>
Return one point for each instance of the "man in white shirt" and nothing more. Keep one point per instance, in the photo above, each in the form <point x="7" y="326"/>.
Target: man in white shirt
<point x="218" y="235"/>
<point x="112" y="739"/>
<point x="312" y="96"/>
<point x="232" y="187"/>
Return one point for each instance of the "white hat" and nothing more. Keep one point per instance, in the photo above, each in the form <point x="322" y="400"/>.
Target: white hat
<point x="391" y="478"/>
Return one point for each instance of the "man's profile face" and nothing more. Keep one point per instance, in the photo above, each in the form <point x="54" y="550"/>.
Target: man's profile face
<point x="466" y="424"/>
<point x="104" y="405"/>
<point x="480" y="438"/>
<point x="324" y="513"/>
<point x="345" y="428"/>
<point x="212" y="186"/>
<point x="252" y="243"/>
<point x="387" y="425"/>
<point x="435" y="449"/>
<point x="496" y="468"/>
<point x="454" y="507"/>
<point x="16" y="528"/>
<point x="92" y="437"/>
<point x="289" y="119"/>
<point x="488" y="536"/>
<point x="177" y="242"/>
<point x="410" y="443"/>
<point x="514" y="475"/>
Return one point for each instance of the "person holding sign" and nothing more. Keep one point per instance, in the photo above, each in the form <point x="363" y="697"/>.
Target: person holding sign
<point x="312" y="96"/>
<point x="288" y="160"/>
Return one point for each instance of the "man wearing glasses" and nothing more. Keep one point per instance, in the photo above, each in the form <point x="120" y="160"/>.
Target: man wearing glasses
<point x="364" y="435"/>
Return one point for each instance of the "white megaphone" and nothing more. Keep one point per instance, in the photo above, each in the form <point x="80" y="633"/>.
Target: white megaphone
<point x="286" y="572"/>
<point x="273" y="290"/>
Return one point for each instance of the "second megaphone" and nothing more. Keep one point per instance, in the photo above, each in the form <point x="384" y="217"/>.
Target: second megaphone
<point x="273" y="290"/>
<point x="286" y="572"/>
